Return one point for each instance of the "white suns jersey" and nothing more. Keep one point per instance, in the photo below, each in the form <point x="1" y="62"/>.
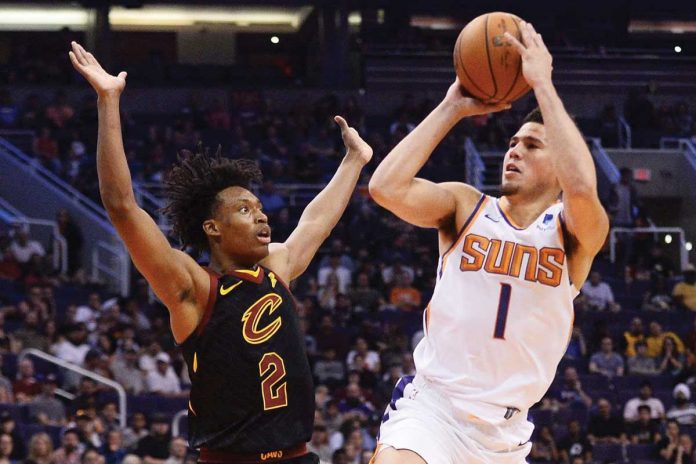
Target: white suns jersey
<point x="501" y="314"/>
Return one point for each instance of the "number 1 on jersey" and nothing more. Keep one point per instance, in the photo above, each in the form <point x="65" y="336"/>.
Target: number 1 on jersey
<point x="503" y="305"/>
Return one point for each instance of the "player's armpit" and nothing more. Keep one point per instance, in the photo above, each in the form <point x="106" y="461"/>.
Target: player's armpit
<point x="180" y="283"/>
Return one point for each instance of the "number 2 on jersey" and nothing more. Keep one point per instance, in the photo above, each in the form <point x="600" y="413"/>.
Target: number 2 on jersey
<point x="503" y="305"/>
<point x="274" y="393"/>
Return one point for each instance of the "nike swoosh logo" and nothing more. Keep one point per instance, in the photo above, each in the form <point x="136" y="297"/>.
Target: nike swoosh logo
<point x="224" y="291"/>
<point x="492" y="218"/>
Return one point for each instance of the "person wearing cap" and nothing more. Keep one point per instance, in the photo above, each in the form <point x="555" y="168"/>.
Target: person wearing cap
<point x="46" y="409"/>
<point x="162" y="380"/>
<point x="684" y="293"/>
<point x="683" y="410"/>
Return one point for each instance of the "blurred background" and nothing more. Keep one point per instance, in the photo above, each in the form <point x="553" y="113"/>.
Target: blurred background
<point x="89" y="368"/>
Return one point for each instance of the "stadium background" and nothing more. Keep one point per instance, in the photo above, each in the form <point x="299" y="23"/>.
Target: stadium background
<point x="263" y="79"/>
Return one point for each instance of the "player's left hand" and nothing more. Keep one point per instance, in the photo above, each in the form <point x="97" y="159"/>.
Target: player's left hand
<point x="536" y="59"/>
<point x="355" y="145"/>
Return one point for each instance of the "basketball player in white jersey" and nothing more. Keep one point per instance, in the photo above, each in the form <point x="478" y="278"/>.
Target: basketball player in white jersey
<point x="501" y="313"/>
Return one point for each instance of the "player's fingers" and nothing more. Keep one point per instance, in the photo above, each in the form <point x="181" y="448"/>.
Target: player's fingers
<point x="81" y="53"/>
<point x="528" y="35"/>
<point x="341" y="123"/>
<point x="515" y="43"/>
<point x="123" y="75"/>
<point x="77" y="53"/>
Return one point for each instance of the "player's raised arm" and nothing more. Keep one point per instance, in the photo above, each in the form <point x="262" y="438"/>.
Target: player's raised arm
<point x="175" y="277"/>
<point x="584" y="215"/>
<point x="394" y="184"/>
<point x="291" y="258"/>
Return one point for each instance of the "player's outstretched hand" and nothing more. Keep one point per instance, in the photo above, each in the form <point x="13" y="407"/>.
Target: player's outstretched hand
<point x="467" y="106"/>
<point x="355" y="145"/>
<point x="102" y="82"/>
<point x="537" y="62"/>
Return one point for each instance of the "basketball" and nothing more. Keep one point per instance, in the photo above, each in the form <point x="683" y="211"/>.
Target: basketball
<point x="489" y="68"/>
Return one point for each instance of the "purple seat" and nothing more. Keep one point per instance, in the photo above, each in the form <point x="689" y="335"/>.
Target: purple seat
<point x="635" y="452"/>
<point x="606" y="453"/>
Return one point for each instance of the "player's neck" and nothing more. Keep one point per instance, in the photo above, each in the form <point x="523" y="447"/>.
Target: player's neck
<point x="524" y="211"/>
<point x="222" y="264"/>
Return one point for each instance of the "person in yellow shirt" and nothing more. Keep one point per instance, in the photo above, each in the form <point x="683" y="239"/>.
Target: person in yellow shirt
<point x="684" y="293"/>
<point x="657" y="337"/>
<point x="633" y="335"/>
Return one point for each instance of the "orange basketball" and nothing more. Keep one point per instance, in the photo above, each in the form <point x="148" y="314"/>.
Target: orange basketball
<point x="488" y="66"/>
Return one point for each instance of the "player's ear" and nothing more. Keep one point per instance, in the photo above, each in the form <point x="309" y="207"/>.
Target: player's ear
<point x="211" y="228"/>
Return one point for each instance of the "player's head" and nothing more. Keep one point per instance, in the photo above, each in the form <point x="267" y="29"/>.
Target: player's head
<point x="211" y="207"/>
<point x="527" y="167"/>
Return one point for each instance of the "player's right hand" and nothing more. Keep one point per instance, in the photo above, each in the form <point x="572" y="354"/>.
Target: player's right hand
<point x="467" y="106"/>
<point x="102" y="82"/>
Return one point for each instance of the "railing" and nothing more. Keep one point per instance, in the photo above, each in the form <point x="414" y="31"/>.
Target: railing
<point x="149" y="202"/>
<point x="24" y="139"/>
<point x="117" y="257"/>
<point x="9" y="212"/>
<point x="603" y="159"/>
<point x="624" y="133"/>
<point x="683" y="252"/>
<point x="688" y="146"/>
<point x="59" y="186"/>
<point x="84" y="372"/>
<point x="176" y="421"/>
<point x="474" y="165"/>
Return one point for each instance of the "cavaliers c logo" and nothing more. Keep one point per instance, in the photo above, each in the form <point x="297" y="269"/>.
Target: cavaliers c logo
<point x="265" y="305"/>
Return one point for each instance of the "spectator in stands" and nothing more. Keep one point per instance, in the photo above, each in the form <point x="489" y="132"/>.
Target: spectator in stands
<point x="60" y="111"/>
<point x="544" y="446"/>
<point x="680" y="453"/>
<point x="577" y="347"/>
<point x="355" y="403"/>
<point x="364" y="297"/>
<point x="319" y="444"/>
<point x="670" y="441"/>
<point x="597" y="295"/>
<point x="604" y="426"/>
<point x="683" y="410"/>
<point x="136" y="431"/>
<point x="132" y="459"/>
<point x="86" y="395"/>
<point x="26" y="387"/>
<point x="6" y="396"/>
<point x="88" y="428"/>
<point x="684" y="292"/>
<point x="177" y="451"/>
<point x="570" y="393"/>
<point x="127" y="373"/>
<point x="113" y="450"/>
<point x="645" y="431"/>
<point x="9" y="113"/>
<point x="29" y="335"/>
<point x="370" y="358"/>
<point x="92" y="456"/>
<point x="671" y="360"/>
<point x="658" y="298"/>
<point x="659" y="263"/>
<point x="40" y="449"/>
<point x="575" y="444"/>
<point x="109" y="417"/>
<point x="89" y="313"/>
<point x="6" y="444"/>
<point x="641" y="363"/>
<point x="70" y="451"/>
<point x="606" y="361"/>
<point x="45" y="147"/>
<point x="155" y="445"/>
<point x="163" y="380"/>
<point x="644" y="398"/>
<point x="22" y="248"/>
<point x="45" y="408"/>
<point x="403" y="294"/>
<point x="623" y="200"/>
<point x="336" y="269"/>
<point x="71" y="232"/>
<point x="657" y="337"/>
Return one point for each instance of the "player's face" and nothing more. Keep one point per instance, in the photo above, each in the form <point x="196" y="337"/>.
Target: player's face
<point x="240" y="227"/>
<point x="527" y="166"/>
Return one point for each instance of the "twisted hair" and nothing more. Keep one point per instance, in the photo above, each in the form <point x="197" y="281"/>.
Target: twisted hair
<point x="192" y="186"/>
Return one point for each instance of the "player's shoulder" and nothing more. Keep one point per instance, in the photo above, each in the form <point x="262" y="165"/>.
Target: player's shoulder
<point x="466" y="196"/>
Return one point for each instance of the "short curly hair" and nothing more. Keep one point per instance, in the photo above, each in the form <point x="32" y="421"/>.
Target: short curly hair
<point x="192" y="186"/>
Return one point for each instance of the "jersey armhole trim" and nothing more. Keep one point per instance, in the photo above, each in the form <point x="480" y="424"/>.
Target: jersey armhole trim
<point x="467" y="223"/>
<point x="212" y="299"/>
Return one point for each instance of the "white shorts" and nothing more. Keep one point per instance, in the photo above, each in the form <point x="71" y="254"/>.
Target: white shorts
<point x="421" y="420"/>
